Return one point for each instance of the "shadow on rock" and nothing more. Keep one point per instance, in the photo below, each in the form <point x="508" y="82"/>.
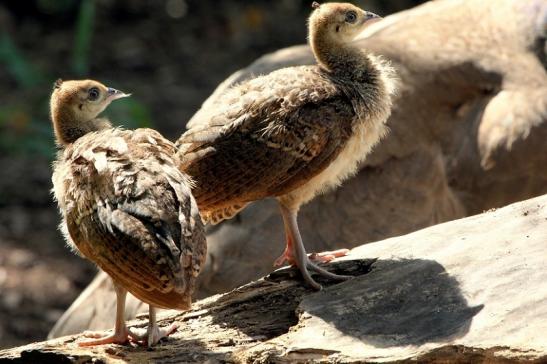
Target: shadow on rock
<point x="399" y="302"/>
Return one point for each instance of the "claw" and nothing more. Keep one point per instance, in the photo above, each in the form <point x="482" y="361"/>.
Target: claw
<point x="152" y="335"/>
<point x="157" y="334"/>
<point x="322" y="257"/>
<point x="325" y="257"/>
<point x="285" y="257"/>
<point x="99" y="338"/>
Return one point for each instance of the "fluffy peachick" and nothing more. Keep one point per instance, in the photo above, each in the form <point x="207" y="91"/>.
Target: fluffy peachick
<point x="125" y="205"/>
<point x="295" y="132"/>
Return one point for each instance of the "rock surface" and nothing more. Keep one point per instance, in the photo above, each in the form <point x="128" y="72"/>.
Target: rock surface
<point x="468" y="134"/>
<point x="470" y="290"/>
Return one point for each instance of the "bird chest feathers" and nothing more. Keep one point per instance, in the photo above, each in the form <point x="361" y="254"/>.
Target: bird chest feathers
<point x="371" y="102"/>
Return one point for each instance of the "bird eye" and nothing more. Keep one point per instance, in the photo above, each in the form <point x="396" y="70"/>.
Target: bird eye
<point x="93" y="93"/>
<point x="351" y="17"/>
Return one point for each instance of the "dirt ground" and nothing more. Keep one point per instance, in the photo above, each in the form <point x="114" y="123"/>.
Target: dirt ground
<point x="170" y="54"/>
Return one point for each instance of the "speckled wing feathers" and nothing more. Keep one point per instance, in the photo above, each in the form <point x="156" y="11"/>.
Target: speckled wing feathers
<point x="269" y="136"/>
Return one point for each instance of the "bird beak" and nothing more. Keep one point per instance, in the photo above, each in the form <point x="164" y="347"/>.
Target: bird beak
<point x="114" y="94"/>
<point x="370" y="17"/>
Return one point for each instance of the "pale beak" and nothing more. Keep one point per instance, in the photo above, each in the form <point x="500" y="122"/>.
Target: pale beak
<point x="114" y="94"/>
<point x="370" y="15"/>
<point x="370" y="18"/>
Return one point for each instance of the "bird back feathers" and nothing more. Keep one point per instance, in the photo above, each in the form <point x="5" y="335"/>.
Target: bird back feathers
<point x="129" y="208"/>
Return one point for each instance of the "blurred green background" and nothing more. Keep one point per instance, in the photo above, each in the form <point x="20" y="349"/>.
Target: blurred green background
<point x="170" y="54"/>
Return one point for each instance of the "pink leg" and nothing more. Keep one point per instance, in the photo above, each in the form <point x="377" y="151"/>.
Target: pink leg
<point x="287" y="255"/>
<point x="121" y="334"/>
<point x="298" y="254"/>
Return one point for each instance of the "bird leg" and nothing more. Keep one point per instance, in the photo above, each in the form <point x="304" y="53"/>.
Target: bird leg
<point x="121" y="334"/>
<point x="298" y="254"/>
<point x="323" y="257"/>
<point x="287" y="255"/>
<point x="153" y="334"/>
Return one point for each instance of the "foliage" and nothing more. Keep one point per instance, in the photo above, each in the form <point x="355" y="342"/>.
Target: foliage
<point x="84" y="31"/>
<point x="21" y="70"/>
<point x="25" y="127"/>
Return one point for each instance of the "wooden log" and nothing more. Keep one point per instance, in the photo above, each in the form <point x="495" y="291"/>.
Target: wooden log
<point x="470" y="290"/>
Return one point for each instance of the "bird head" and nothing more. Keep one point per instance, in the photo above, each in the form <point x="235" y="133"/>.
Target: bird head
<point x="83" y="99"/>
<point x="338" y="22"/>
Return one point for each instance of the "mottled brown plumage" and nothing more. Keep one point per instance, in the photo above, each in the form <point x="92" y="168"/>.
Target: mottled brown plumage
<point x="295" y="132"/>
<point x="125" y="204"/>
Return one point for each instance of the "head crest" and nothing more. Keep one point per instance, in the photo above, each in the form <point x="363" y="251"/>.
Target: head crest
<point x="315" y="5"/>
<point x="57" y="84"/>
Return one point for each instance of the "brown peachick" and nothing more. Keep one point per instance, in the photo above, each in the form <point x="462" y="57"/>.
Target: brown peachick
<point x="125" y="205"/>
<point x="293" y="133"/>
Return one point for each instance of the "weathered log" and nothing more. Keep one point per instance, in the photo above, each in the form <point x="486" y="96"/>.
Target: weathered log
<point x="468" y="290"/>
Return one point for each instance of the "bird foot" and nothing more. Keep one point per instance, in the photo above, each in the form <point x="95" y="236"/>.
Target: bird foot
<point x="308" y="266"/>
<point x="287" y="256"/>
<point x="152" y="335"/>
<point x="323" y="257"/>
<point x="99" y="338"/>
